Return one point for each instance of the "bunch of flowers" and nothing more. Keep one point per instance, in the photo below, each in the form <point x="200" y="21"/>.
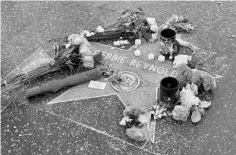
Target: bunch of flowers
<point x="71" y="52"/>
<point x="137" y="121"/>
<point x="190" y="103"/>
<point x="179" y="23"/>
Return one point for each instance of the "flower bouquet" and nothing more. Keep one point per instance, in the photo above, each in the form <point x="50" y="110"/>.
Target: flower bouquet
<point x="180" y="24"/>
<point x="196" y="92"/>
<point x="71" y="52"/>
<point x="131" y="25"/>
<point x="137" y="122"/>
<point x="123" y="30"/>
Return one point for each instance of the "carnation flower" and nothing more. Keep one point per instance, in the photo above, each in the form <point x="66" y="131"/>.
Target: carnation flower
<point x="180" y="113"/>
<point x="187" y="97"/>
<point x="181" y="59"/>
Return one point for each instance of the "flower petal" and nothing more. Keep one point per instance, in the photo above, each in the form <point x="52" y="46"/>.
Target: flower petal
<point x="205" y="104"/>
<point x="196" y="116"/>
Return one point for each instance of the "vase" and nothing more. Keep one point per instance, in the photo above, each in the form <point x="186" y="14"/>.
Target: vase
<point x="171" y="47"/>
<point x="169" y="91"/>
<point x="168" y="35"/>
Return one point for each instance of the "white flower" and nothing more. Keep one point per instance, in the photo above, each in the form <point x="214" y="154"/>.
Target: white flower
<point x="194" y="88"/>
<point x="124" y="42"/>
<point x="145" y="118"/>
<point x="154" y="28"/>
<point x="180" y="113"/>
<point x="173" y="19"/>
<point x="205" y="104"/>
<point x="116" y="43"/>
<point x="151" y="21"/>
<point x="72" y="37"/>
<point x="87" y="33"/>
<point x="78" y="41"/>
<point x="67" y="45"/>
<point x="181" y="59"/>
<point x="88" y="58"/>
<point x="124" y="120"/>
<point x="187" y="97"/>
<point x="99" y="29"/>
<point x="165" y="26"/>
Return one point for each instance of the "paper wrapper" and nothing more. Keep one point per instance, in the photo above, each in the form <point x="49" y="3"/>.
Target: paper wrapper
<point x="55" y="85"/>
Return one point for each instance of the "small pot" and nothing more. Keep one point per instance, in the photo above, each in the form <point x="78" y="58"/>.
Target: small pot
<point x="168" y="35"/>
<point x="169" y="91"/>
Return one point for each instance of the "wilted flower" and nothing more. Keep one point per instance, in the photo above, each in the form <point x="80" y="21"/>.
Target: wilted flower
<point x="135" y="133"/>
<point x="180" y="113"/>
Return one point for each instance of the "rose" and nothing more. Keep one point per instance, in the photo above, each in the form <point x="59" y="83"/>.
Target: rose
<point x="180" y="113"/>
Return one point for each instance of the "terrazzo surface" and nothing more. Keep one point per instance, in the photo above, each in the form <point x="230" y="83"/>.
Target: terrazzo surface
<point x="88" y="124"/>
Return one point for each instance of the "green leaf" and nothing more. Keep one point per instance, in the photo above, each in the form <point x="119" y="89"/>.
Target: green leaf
<point x="196" y="116"/>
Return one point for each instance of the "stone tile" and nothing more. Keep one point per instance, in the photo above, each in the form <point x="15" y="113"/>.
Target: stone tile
<point x="174" y="138"/>
<point x="26" y="130"/>
<point x="218" y="133"/>
<point x="219" y="50"/>
<point x="102" y="113"/>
